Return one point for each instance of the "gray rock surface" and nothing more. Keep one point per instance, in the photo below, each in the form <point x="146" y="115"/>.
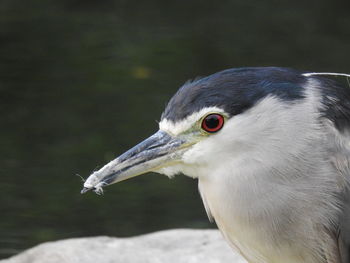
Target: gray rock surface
<point x="180" y="246"/>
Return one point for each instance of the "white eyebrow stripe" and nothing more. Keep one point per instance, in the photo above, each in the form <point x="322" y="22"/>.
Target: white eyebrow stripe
<point x="178" y="127"/>
<point x="325" y="74"/>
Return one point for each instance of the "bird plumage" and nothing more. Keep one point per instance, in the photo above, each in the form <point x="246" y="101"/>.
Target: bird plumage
<point x="288" y="156"/>
<point x="234" y="90"/>
<point x="275" y="177"/>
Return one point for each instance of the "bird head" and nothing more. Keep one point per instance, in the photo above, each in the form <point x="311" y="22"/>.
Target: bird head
<point x="216" y="122"/>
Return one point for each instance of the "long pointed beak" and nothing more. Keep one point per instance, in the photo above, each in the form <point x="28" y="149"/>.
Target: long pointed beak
<point x="157" y="151"/>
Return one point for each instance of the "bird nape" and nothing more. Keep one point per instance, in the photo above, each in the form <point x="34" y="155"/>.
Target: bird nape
<point x="270" y="148"/>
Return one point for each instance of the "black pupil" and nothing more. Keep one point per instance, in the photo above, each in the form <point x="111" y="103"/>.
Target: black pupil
<point x="212" y="121"/>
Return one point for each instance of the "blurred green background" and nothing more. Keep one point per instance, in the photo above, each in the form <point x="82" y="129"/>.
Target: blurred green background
<point x="81" y="81"/>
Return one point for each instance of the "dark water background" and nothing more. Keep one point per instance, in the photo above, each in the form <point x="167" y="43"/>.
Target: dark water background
<point x="81" y="81"/>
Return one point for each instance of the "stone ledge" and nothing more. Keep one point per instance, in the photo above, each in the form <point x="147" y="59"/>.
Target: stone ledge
<point x="170" y="246"/>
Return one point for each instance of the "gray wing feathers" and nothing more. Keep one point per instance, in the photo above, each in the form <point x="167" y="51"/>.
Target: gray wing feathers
<point x="340" y="157"/>
<point x="344" y="230"/>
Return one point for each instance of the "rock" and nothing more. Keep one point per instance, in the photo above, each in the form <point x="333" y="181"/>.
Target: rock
<point x="180" y="246"/>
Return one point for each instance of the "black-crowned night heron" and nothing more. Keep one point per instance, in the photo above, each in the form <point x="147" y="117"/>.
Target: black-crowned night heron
<point x="270" y="148"/>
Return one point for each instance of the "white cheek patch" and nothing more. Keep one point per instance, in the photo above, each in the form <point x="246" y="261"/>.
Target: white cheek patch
<point x="178" y="127"/>
<point x="261" y="133"/>
<point x="170" y="171"/>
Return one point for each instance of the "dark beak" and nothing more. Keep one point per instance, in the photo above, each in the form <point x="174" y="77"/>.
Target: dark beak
<point x="159" y="150"/>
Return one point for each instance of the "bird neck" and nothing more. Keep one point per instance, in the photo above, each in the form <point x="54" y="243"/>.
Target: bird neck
<point x="257" y="201"/>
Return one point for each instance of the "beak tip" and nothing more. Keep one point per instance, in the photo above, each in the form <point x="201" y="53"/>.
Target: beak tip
<point x="85" y="189"/>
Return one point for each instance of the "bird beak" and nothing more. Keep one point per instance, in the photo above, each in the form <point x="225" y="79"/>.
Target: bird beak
<point x="159" y="150"/>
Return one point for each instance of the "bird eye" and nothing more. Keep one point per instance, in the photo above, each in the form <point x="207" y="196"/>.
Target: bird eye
<point x="213" y="123"/>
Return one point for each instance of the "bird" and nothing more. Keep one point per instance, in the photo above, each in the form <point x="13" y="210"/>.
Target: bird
<point x="270" y="147"/>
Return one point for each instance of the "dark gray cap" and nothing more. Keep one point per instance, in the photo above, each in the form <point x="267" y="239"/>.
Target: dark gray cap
<point x="235" y="90"/>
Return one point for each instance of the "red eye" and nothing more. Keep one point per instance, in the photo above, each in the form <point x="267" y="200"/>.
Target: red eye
<point x="213" y="123"/>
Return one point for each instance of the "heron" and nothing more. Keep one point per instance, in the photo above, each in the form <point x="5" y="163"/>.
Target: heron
<point x="270" y="147"/>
